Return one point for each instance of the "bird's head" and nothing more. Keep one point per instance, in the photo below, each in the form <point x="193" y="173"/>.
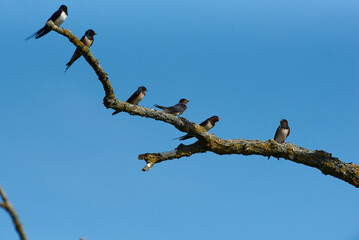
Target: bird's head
<point x="214" y="118"/>
<point x="284" y="123"/>
<point x="90" y="33"/>
<point x="184" y="101"/>
<point x="142" y="89"/>
<point x="63" y="8"/>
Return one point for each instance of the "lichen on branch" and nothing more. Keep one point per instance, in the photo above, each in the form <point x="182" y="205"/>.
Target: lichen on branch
<point x="321" y="160"/>
<point x="207" y="142"/>
<point x="85" y="51"/>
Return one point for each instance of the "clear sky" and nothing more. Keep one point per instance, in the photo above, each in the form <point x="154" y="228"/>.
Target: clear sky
<point x="70" y="168"/>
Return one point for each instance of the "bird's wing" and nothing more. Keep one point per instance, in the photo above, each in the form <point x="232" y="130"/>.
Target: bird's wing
<point x="177" y="108"/>
<point x="55" y="15"/>
<point x="74" y="57"/>
<point x="45" y="30"/>
<point x="204" y="123"/>
<point x="161" y="107"/>
<point x="133" y="96"/>
<point x="187" y="136"/>
<point x="42" y="31"/>
<point x="276" y="132"/>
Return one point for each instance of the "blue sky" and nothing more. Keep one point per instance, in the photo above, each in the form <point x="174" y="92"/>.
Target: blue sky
<point x="70" y="168"/>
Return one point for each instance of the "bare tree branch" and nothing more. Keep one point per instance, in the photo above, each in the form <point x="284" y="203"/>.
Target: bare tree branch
<point x="6" y="205"/>
<point x="321" y="160"/>
<point x="102" y="75"/>
<point x="179" y="152"/>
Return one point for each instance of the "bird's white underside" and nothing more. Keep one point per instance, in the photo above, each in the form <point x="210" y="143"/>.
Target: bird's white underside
<point x="208" y="126"/>
<point x="282" y="135"/>
<point x="139" y="98"/>
<point x="60" y="19"/>
<point x="87" y="42"/>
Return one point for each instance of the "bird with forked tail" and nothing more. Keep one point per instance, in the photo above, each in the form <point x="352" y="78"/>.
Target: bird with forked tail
<point x="177" y="109"/>
<point x="87" y="40"/>
<point x="208" y="124"/>
<point x="135" y="98"/>
<point x="58" y="18"/>
<point x="282" y="132"/>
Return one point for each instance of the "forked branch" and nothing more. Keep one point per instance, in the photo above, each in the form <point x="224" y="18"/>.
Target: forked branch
<point x="321" y="160"/>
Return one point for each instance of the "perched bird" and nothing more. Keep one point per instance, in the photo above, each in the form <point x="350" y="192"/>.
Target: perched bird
<point x="87" y="40"/>
<point x="135" y="98"/>
<point x="58" y="18"/>
<point x="208" y="124"/>
<point x="177" y="109"/>
<point x="282" y="132"/>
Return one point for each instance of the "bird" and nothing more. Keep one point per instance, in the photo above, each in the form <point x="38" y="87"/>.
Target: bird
<point x="177" y="109"/>
<point x="135" y="98"/>
<point x="58" y="18"/>
<point x="282" y="132"/>
<point x="87" y="40"/>
<point x="208" y="124"/>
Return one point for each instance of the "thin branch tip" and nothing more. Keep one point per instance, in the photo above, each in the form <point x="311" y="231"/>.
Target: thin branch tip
<point x="148" y="166"/>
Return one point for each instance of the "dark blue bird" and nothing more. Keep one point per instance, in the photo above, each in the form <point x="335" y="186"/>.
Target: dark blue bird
<point x="87" y="40"/>
<point x="58" y="18"/>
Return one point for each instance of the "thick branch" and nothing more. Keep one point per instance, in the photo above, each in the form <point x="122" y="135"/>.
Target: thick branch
<point x="6" y="205"/>
<point x="321" y="160"/>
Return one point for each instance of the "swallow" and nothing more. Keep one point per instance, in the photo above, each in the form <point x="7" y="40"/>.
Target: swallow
<point x="87" y="40"/>
<point x="177" y="109"/>
<point x="135" y="98"/>
<point x="208" y="124"/>
<point x="282" y="132"/>
<point x="58" y="18"/>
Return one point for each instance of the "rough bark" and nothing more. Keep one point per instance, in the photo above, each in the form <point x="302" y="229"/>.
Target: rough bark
<point x="321" y="160"/>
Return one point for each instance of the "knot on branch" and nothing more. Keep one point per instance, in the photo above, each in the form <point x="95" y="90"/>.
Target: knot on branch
<point x="109" y="101"/>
